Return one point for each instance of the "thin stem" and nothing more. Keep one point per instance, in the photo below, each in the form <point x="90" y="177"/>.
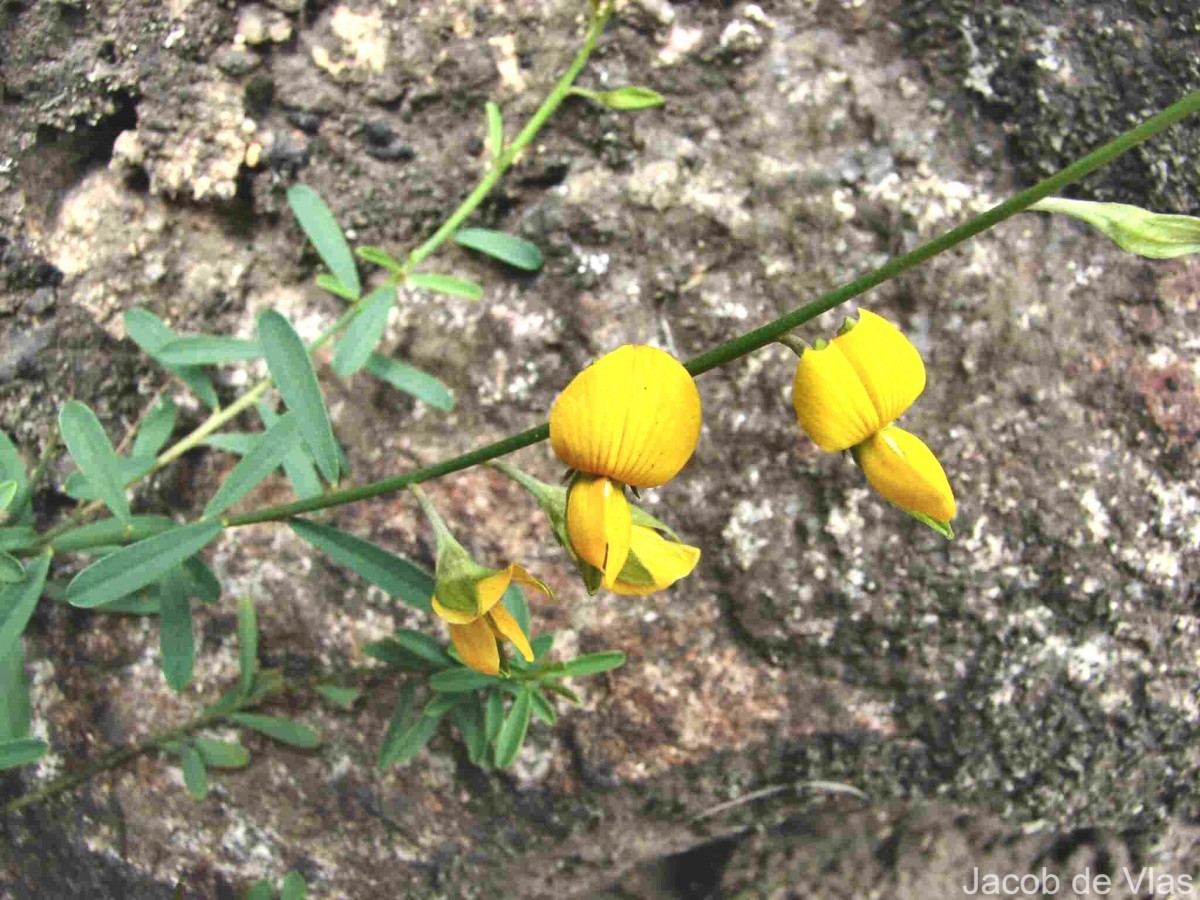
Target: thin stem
<point x="747" y="343"/>
<point x="440" y="528"/>
<point x="793" y="342"/>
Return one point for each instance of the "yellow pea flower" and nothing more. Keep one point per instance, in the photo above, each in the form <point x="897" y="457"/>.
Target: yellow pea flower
<point x="599" y="524"/>
<point x="478" y="633"/>
<point x="849" y="391"/>
<point x="654" y="563"/>
<point x="633" y="416"/>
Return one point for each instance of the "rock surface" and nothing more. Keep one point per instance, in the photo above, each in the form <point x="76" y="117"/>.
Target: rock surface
<point x="1023" y="696"/>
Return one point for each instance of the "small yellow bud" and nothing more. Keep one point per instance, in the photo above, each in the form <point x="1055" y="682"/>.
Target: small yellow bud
<point x="905" y="472"/>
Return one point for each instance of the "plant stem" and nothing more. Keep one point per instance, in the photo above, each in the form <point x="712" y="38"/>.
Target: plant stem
<point x="496" y="170"/>
<point x="749" y="342"/>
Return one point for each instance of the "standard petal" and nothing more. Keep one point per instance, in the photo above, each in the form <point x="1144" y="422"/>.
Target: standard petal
<point x="665" y="561"/>
<point x="453" y="616"/>
<point x="906" y="473"/>
<point x="492" y="588"/>
<point x="476" y="645"/>
<point x="633" y="416"/>
<point x="831" y="403"/>
<point x="507" y="626"/>
<point x="888" y="365"/>
<point x="521" y="576"/>
<point x="599" y="524"/>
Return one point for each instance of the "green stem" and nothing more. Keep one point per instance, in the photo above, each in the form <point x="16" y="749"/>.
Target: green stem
<point x="772" y="331"/>
<point x="440" y="528"/>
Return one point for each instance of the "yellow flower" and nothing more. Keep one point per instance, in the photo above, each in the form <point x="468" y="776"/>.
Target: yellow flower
<point x="478" y="620"/>
<point x="654" y="564"/>
<point x="848" y="392"/>
<point x="906" y="473"/>
<point x="633" y="416"/>
<point x="599" y="524"/>
<point x="865" y="378"/>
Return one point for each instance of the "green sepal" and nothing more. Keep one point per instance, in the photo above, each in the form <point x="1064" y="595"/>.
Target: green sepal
<point x="457" y="576"/>
<point x="942" y="528"/>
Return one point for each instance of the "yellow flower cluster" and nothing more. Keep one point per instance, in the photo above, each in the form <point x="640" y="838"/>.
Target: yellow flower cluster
<point x="849" y="391"/>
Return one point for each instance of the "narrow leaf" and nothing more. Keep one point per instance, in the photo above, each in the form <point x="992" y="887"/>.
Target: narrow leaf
<point x="388" y="651"/>
<point x="339" y="696"/>
<point x="111" y="531"/>
<point x="335" y="287"/>
<point x="150" y="333"/>
<point x="18" y="601"/>
<point x="208" y="350"/>
<point x="360" y="339"/>
<point x="8" y="490"/>
<point x="195" y="775"/>
<point x="156" y="429"/>
<point x="286" y="731"/>
<point x="594" y="663"/>
<point x="424" y="647"/>
<point x="446" y="284"/>
<point x="17" y="537"/>
<point x="222" y="754"/>
<point x="629" y="98"/>
<point x="543" y="708"/>
<point x="130" y="469"/>
<point x="11" y="570"/>
<point x="409" y="742"/>
<point x="247" y="643"/>
<point x="15" y="709"/>
<point x="175" y="636"/>
<point x="411" y="380"/>
<point x="139" y="564"/>
<point x="379" y="257"/>
<point x="512" y="732"/>
<point x="293" y="887"/>
<point x="322" y="229"/>
<point x="202" y="584"/>
<point x="236" y="442"/>
<point x="507" y="248"/>
<point x="21" y="752"/>
<point x="90" y="447"/>
<point x="456" y="681"/>
<point x="143" y="603"/>
<point x="495" y="130"/>
<point x="493" y="715"/>
<point x="469" y="719"/>
<point x="256" y="465"/>
<point x="297" y="464"/>
<point x="292" y="370"/>
<point x="401" y="719"/>
<point x="398" y="577"/>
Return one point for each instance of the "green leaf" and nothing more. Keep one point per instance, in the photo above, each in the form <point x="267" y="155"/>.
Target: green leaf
<point x="143" y="603"/>
<point x="322" y="229"/>
<point x="391" y="653"/>
<point x="379" y="257"/>
<point x="17" y="537"/>
<point x="12" y="467"/>
<point x="512" y="732"/>
<point x="543" y="708"/>
<point x="456" y="681"/>
<point x="157" y="428"/>
<point x="130" y="469"/>
<point x="202" y="584"/>
<point x="628" y="98"/>
<point x="256" y="465"/>
<point x="468" y="717"/>
<point x="222" y="754"/>
<point x="401" y="719"/>
<point x="357" y="344"/>
<point x="150" y="333"/>
<point x="411" y="380"/>
<point x="292" y="370"/>
<point x="339" y="696"/>
<point x="260" y="890"/>
<point x="440" y="704"/>
<point x="398" y="577"/>
<point x="286" y="731"/>
<point x="89" y="446"/>
<point x="446" y="284"/>
<point x="237" y="442"/>
<point x="15" y="709"/>
<point x="18" y="601"/>
<point x="493" y="715"/>
<point x="208" y="350"/>
<point x="507" y="248"/>
<point x="175" y="632"/>
<point x="21" y="752"/>
<point x="424" y="648"/>
<point x="293" y="887"/>
<point x="495" y="130"/>
<point x="541" y="645"/>
<point x="139" y="564"/>
<point x="1133" y="229"/>
<point x="335" y="287"/>
<point x="297" y="464"/>
<point x="565" y="692"/>
<point x="11" y="570"/>
<point x="408" y="742"/>
<point x="594" y="663"/>
<point x="247" y="643"/>
<point x="515" y="602"/>
<point x="8" y="490"/>
<point x="195" y="775"/>
<point x="111" y="531"/>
